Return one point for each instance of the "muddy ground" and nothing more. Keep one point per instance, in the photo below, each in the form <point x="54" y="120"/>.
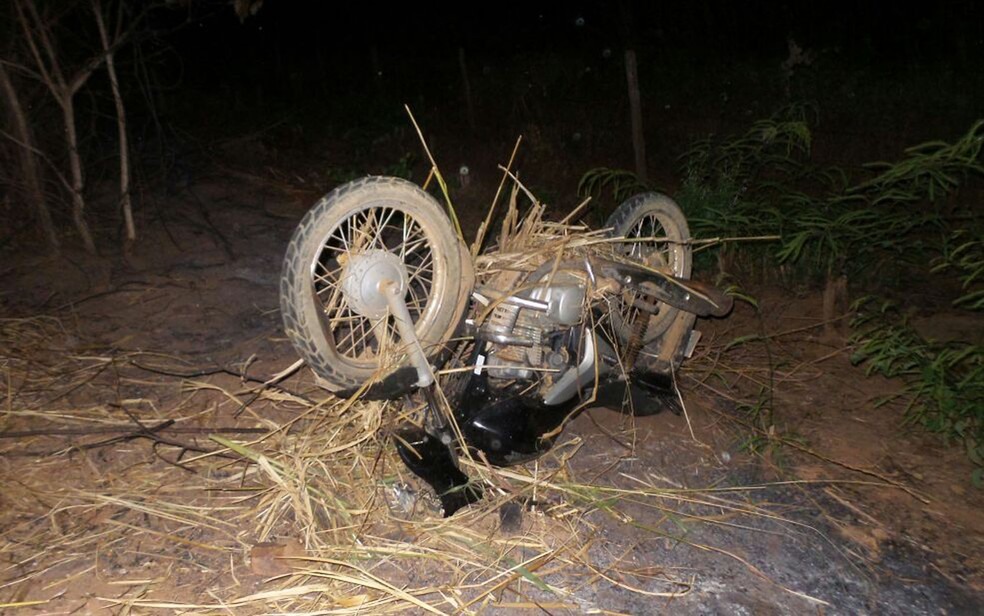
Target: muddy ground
<point x="850" y="515"/>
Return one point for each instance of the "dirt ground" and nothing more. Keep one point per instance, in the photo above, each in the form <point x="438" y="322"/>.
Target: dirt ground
<point x="839" y="511"/>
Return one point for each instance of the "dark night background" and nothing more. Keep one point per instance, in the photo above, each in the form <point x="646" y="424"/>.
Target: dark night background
<point x="883" y="76"/>
<point x="322" y="85"/>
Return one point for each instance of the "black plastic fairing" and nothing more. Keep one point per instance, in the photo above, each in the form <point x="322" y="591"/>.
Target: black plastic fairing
<point x="433" y="461"/>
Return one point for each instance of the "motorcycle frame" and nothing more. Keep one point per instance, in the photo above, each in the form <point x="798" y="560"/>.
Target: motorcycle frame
<point x="504" y="427"/>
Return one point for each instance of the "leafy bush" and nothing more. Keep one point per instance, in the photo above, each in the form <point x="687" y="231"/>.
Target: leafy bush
<point x="621" y="182"/>
<point x="966" y="256"/>
<point x="943" y="383"/>
<point x="892" y="218"/>
<point x="760" y="183"/>
<point x="728" y="181"/>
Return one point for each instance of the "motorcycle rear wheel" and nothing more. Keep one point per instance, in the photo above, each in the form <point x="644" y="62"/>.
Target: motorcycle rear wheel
<point x="656" y="216"/>
<point x="370" y="222"/>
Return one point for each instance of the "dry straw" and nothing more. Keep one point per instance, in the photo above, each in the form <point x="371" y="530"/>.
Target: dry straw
<point x="165" y="512"/>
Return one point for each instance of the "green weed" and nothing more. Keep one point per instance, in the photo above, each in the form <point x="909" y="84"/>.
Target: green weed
<point x="943" y="382"/>
<point x="622" y="183"/>
<point x="886" y="220"/>
<point x="964" y="254"/>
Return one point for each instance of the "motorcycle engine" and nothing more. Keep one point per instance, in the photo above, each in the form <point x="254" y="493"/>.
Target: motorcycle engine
<point x="529" y="334"/>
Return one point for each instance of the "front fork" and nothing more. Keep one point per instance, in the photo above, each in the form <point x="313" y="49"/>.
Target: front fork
<point x="427" y="450"/>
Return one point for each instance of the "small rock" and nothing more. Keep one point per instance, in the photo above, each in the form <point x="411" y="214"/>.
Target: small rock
<point x="510" y="517"/>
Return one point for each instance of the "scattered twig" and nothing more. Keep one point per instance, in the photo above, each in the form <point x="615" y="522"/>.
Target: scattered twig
<point x="264" y="383"/>
<point x="162" y="427"/>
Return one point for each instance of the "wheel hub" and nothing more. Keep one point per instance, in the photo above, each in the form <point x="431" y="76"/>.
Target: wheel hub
<point x="362" y="277"/>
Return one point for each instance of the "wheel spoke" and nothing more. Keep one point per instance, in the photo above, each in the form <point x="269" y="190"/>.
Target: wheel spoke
<point x="381" y="332"/>
<point x="351" y="336"/>
<point x="387" y="228"/>
<point x="329" y="280"/>
<point x="411" y="247"/>
<point x="346" y="319"/>
<point x="393" y="333"/>
<point x="653" y="247"/>
<point x="378" y="241"/>
<point x="335" y="304"/>
<point x="340" y="344"/>
<point x="414" y="305"/>
<point x="425" y="266"/>
<point x="343" y="314"/>
<point x="347" y="248"/>
<point x="374" y="332"/>
<point x="368" y="229"/>
<point x="413" y="236"/>
<point x="358" y="235"/>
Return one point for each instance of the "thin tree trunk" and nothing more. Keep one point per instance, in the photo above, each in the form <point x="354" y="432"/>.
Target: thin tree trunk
<point x="64" y="93"/>
<point x="125" y="201"/>
<point x="30" y="171"/>
<point x="78" y="181"/>
<point x="635" y="109"/>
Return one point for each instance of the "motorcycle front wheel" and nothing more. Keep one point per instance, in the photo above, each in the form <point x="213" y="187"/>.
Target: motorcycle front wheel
<point x="361" y="233"/>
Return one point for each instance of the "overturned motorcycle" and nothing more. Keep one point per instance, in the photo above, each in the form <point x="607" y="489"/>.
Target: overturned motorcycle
<point x="491" y="353"/>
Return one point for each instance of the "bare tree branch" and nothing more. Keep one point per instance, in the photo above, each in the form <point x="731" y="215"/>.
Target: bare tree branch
<point x="54" y="78"/>
<point x="125" y="201"/>
<point x="44" y="157"/>
<point x="30" y="173"/>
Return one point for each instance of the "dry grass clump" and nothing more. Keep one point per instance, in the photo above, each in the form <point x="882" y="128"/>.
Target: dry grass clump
<point x="172" y="523"/>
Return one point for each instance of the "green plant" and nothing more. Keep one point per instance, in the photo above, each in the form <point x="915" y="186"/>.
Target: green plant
<point x="335" y="176"/>
<point x="731" y="185"/>
<point x="883" y="215"/>
<point x="774" y="144"/>
<point x="833" y="229"/>
<point x="727" y="181"/>
<point x="760" y="412"/>
<point x="964" y="253"/>
<point x="885" y="220"/>
<point x="943" y="382"/>
<point x="622" y="183"/>
<point x="759" y="183"/>
<point x="929" y="170"/>
<point x="402" y="168"/>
